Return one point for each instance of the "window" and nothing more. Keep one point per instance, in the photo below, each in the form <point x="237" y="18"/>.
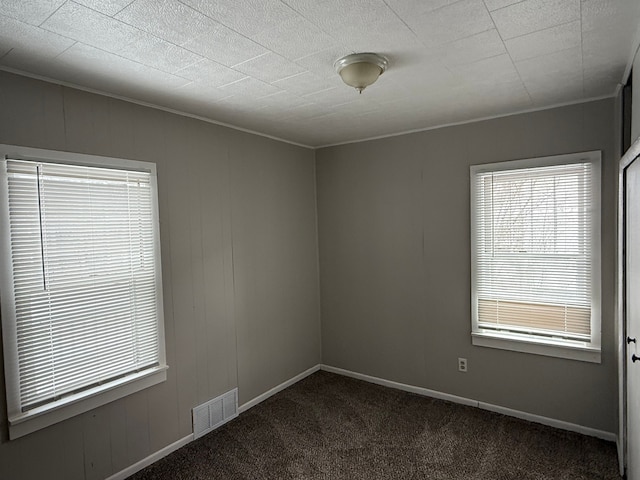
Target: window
<point x="81" y="284"/>
<point x="535" y="255"/>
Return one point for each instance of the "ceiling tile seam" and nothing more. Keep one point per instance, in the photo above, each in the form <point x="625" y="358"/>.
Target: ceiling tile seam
<point x="143" y="64"/>
<point x="50" y="15"/>
<point x="280" y="93"/>
<point x="583" y="55"/>
<point x="210" y="103"/>
<point x="306" y="70"/>
<point x="288" y="78"/>
<point x="7" y="53"/>
<point x="260" y="97"/>
<point x="202" y="57"/>
<point x="438" y="58"/>
<point x="250" y="60"/>
<point x="548" y="28"/>
<point x="364" y="114"/>
<point x="292" y="76"/>
<point x="323" y="116"/>
<point x="566" y="49"/>
<point x="149" y="105"/>
<point x="269" y="50"/>
<point x="448" y="5"/>
<point x="481" y="60"/>
<point x="451" y="41"/>
<point x="75" y="42"/>
<point x="470" y="36"/>
<point x="337" y="42"/>
<point x="232" y="29"/>
<point x="349" y="102"/>
<point x="539" y="30"/>
<point x="176" y="44"/>
<point x="231" y="83"/>
<point x="444" y="66"/>
<point x="294" y="62"/>
<point x="82" y="5"/>
<point x="296" y="94"/>
<point x="177" y="73"/>
<point x="284" y="2"/>
<point x="208" y="60"/>
<point x="120" y="11"/>
<point x="506" y="6"/>
<point x="133" y="42"/>
<point x="318" y="91"/>
<point x="249" y="76"/>
<point x="511" y="58"/>
<point x="474" y="120"/>
<point x="405" y="23"/>
<point x="562" y="50"/>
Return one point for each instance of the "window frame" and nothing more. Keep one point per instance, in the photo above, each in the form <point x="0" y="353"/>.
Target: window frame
<point x="23" y="423"/>
<point x="536" y="344"/>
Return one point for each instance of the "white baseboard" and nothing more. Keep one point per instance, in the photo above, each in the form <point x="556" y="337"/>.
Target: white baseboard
<point x="400" y="386"/>
<point x="552" y="422"/>
<point x="154" y="457"/>
<point x="278" y="388"/>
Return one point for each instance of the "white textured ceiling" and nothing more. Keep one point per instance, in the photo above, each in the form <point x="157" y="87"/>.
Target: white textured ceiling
<point x="267" y="65"/>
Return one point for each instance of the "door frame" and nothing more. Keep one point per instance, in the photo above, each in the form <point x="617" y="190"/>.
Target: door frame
<point x="621" y="319"/>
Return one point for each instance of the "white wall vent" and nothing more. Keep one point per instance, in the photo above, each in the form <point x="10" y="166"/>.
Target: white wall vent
<point x="214" y="413"/>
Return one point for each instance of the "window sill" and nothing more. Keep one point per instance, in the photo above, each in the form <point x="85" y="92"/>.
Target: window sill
<point x="568" y="349"/>
<point x="72" y="405"/>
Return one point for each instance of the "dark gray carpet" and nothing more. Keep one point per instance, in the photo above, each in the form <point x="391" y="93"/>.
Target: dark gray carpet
<point x="332" y="427"/>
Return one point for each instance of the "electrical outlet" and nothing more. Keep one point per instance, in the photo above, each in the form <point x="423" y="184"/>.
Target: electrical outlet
<point x="462" y="365"/>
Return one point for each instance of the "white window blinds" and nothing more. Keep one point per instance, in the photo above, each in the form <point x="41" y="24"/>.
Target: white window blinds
<point x="83" y="256"/>
<point x="533" y="244"/>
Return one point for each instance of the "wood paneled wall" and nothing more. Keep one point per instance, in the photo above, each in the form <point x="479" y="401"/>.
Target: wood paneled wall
<point x="239" y="264"/>
<point x="394" y="223"/>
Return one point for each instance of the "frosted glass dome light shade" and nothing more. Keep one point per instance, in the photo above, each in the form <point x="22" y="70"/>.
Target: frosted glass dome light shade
<point x="359" y="70"/>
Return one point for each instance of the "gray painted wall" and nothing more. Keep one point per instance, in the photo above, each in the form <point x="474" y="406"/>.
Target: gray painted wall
<point x="395" y="263"/>
<point x="240" y="266"/>
<point x="239" y="261"/>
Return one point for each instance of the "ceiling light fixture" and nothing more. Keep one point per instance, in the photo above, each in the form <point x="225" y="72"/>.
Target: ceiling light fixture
<point x="359" y="70"/>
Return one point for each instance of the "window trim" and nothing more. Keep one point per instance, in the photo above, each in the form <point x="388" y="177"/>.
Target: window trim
<point x="536" y="344"/>
<point x="20" y="423"/>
